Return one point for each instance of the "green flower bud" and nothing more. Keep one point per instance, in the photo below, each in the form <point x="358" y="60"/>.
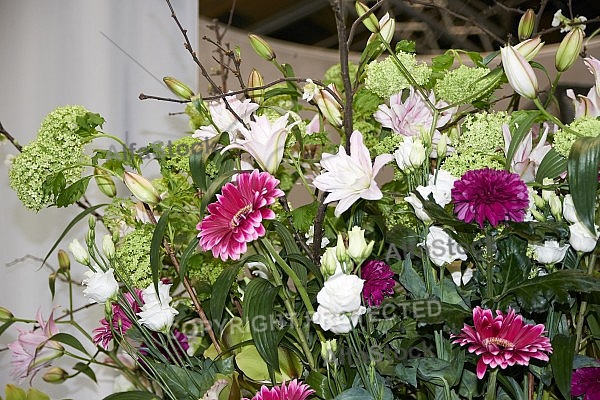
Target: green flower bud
<point x="178" y="88"/>
<point x="341" y="252"/>
<point x="64" y="263"/>
<point x="555" y="207"/>
<point x="256" y="80"/>
<point x="105" y="182"/>
<point x="371" y="22"/>
<point x="108" y="247"/>
<point x="538" y="216"/>
<point x="328" y="350"/>
<point x="92" y="222"/>
<point x="5" y="315"/>
<point x="442" y="147"/>
<point x="329" y="262"/>
<point x="55" y="375"/>
<point x="526" y="25"/>
<point x="79" y="252"/>
<point x="539" y="201"/>
<point x="141" y="188"/>
<point x="261" y="47"/>
<point x="569" y="50"/>
<point x="358" y="249"/>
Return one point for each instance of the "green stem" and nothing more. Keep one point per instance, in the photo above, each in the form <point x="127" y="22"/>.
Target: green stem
<point x="552" y="89"/>
<point x="591" y="263"/>
<point x="491" y="388"/>
<point x="552" y="118"/>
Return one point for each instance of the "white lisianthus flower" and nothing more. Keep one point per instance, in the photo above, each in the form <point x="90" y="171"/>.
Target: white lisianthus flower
<point x="101" y="286"/>
<point x="441" y="248"/>
<point x="265" y="141"/>
<point x="339" y="303"/>
<point x="439" y="186"/>
<point x="417" y="205"/>
<point x="410" y="154"/>
<point x="310" y="235"/>
<point x="581" y="238"/>
<point x="550" y="252"/>
<point x="458" y="275"/>
<point x="157" y="314"/>
<point x="350" y="177"/>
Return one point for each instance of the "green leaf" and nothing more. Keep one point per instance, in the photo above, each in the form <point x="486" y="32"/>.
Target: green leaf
<point x="220" y="291"/>
<point x="132" y="395"/>
<point x="157" y="240"/>
<point x="303" y="217"/>
<point x="582" y="166"/>
<point x="410" y="279"/>
<point x="185" y="257"/>
<point x="452" y="315"/>
<point x="442" y="62"/>
<point x="214" y="187"/>
<point x="319" y="383"/>
<point x="290" y="247"/>
<point x="185" y="383"/>
<point x="407" y="373"/>
<point x="198" y="170"/>
<point x="73" y="193"/>
<point x="88" y="123"/>
<point x="280" y="91"/>
<point x="15" y="393"/>
<point x="85" y="369"/>
<point x="5" y="326"/>
<point x="520" y="127"/>
<point x="555" y="286"/>
<point x="259" y="301"/>
<point x="511" y="387"/>
<point x="476" y="58"/>
<point x="513" y="261"/>
<point x="354" y="393"/>
<point x="553" y="164"/>
<point x="407" y="46"/>
<point x="69" y="340"/>
<point x="561" y="360"/>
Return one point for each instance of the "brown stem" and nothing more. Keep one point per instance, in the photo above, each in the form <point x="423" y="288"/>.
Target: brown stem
<point x="10" y="138"/>
<point x="144" y="96"/>
<point x="538" y="16"/>
<point x="187" y="285"/>
<point x="318" y="234"/>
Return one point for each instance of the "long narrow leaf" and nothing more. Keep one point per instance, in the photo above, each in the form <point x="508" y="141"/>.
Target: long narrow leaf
<point x="157" y="239"/>
<point x="582" y="166"/>
<point x="522" y="125"/>
<point x="551" y="166"/>
<point x="562" y="362"/>
<point x="137" y="395"/>
<point x="185" y="257"/>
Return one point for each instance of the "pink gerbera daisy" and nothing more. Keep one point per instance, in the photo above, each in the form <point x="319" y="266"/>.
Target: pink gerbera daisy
<point x="379" y="281"/>
<point x="235" y="219"/>
<point x="293" y="391"/>
<point x="490" y="195"/>
<point x="503" y="340"/>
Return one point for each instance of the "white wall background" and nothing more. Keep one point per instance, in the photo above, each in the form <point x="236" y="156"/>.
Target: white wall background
<point x="54" y="53"/>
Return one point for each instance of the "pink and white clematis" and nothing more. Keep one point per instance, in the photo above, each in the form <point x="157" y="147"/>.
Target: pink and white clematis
<point x="350" y="177"/>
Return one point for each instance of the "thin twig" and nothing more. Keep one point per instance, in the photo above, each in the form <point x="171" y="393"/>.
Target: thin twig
<point x="538" y="17"/>
<point x="360" y="19"/>
<point x="10" y="138"/>
<point x="318" y="230"/>
<point x="144" y="96"/>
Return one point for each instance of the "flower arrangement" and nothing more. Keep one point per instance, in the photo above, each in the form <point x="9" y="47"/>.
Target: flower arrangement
<point x="448" y="249"/>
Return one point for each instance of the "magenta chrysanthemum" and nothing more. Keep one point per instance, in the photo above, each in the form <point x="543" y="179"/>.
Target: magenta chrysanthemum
<point x="503" y="340"/>
<point x="236" y="217"/>
<point x="293" y="391"/>
<point x="120" y="322"/>
<point x="490" y="195"/>
<point x="379" y="281"/>
<point x="586" y="382"/>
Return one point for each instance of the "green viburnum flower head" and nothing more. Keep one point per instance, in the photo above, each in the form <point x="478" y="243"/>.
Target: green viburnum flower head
<point x="483" y="132"/>
<point x="334" y="75"/>
<point x="462" y="83"/>
<point x="133" y="256"/>
<point x="585" y="126"/>
<point x="384" y="78"/>
<point x="459" y="163"/>
<point x="56" y="148"/>
<point x="388" y="144"/>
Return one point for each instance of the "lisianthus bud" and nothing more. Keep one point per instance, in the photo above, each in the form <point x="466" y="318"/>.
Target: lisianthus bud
<point x="530" y="48"/>
<point x="442" y="147"/>
<point x="555" y="207"/>
<point x="519" y="73"/>
<point x="358" y="249"/>
<point x="256" y="80"/>
<point x="538" y="201"/>
<point x="417" y="154"/>
<point x="64" y="263"/>
<point x="79" y="252"/>
<point x="5" y="315"/>
<point x="55" y="375"/>
<point x="526" y="25"/>
<point x="108" y="246"/>
<point x="581" y="238"/>
<point x="328" y="350"/>
<point x="105" y="182"/>
<point x="370" y="22"/>
<point x="569" y="212"/>
<point x="538" y="215"/>
<point x="341" y="252"/>
<point x="141" y="188"/>
<point x="261" y="47"/>
<point x="569" y="50"/>
<point x="329" y="262"/>
<point x="178" y="88"/>
<point x="546" y="194"/>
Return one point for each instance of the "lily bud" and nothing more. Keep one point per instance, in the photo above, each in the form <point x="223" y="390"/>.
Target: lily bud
<point x="328" y="105"/>
<point x="105" y="182"/>
<point x="569" y="50"/>
<point x="64" y="263"/>
<point x="55" y="375"/>
<point x="261" y="47"/>
<point x="519" y="73"/>
<point x="5" y="315"/>
<point x="387" y="27"/>
<point x="256" y="80"/>
<point x="108" y="247"/>
<point x="530" y="48"/>
<point x="526" y="25"/>
<point x="141" y="188"/>
<point x="370" y="22"/>
<point x="79" y="252"/>
<point x="358" y="249"/>
<point x="178" y="88"/>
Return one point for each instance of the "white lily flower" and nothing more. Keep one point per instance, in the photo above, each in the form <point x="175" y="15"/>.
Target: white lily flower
<point x="350" y="177"/>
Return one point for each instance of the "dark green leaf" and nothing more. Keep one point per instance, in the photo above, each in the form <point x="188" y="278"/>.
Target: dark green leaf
<point x="490" y="57"/>
<point x="354" y="393"/>
<point x="319" y="383"/>
<point x="407" y="374"/>
<point x="290" y="247"/>
<point x="88" y="123"/>
<point x="442" y="62"/>
<point x="69" y="340"/>
<point x="220" y="292"/>
<point x="185" y="257"/>
<point x="452" y="315"/>
<point x="133" y="395"/>
<point x="476" y="58"/>
<point x="198" y="170"/>
<point x="303" y="217"/>
<point x="184" y="383"/>
<point x="215" y="187"/>
<point x="551" y="166"/>
<point x="156" y="244"/>
<point x="411" y="280"/>
<point x="85" y="369"/>
<point x="75" y="220"/>
<point x="511" y="387"/>
<point x="514" y="265"/>
<point x="582" y="166"/>
<point x="73" y="193"/>
<point x="259" y="301"/>
<point x="407" y="46"/>
<point x="561" y="360"/>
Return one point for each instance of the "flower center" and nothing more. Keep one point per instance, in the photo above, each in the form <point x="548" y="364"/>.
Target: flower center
<point x="235" y="221"/>
<point x="498" y="341"/>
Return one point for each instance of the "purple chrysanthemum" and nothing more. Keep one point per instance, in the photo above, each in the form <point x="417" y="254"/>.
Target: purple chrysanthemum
<point x="586" y="382"/>
<point x="490" y="195"/>
<point x="379" y="281"/>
